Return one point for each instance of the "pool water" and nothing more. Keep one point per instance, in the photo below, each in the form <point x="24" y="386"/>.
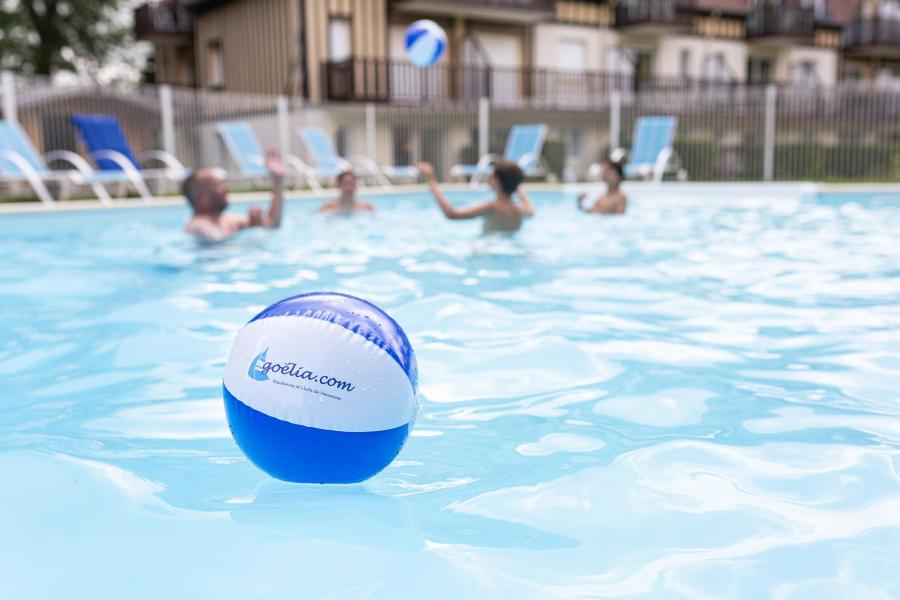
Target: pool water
<point x="698" y="399"/>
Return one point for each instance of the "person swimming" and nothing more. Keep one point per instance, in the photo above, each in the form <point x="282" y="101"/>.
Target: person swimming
<point x="346" y="202"/>
<point x="613" y="202"/>
<point x="208" y="196"/>
<point x="500" y="214"/>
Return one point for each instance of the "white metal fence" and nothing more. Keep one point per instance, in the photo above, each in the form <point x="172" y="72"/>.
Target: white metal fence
<point x="734" y="133"/>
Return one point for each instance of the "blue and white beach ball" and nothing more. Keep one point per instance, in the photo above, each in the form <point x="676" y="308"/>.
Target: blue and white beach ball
<point x="425" y="42"/>
<point x="321" y="388"/>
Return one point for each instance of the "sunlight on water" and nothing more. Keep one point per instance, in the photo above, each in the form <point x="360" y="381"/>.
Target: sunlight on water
<point x="698" y="399"/>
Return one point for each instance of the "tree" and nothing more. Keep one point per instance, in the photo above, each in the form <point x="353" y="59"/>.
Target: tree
<point x="46" y="36"/>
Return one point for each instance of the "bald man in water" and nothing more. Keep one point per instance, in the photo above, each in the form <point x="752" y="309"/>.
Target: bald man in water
<point x="208" y="196"/>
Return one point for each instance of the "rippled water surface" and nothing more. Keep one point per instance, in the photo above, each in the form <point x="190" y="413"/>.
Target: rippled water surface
<point x="699" y="399"/>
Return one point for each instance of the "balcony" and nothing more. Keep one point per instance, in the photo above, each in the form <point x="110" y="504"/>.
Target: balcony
<point x="787" y="22"/>
<point x="653" y="15"/>
<point x="401" y="83"/>
<point x="873" y="37"/>
<point x="163" y="21"/>
<point x="512" y="11"/>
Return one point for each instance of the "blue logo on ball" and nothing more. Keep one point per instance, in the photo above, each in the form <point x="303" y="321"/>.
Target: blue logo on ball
<point x="256" y="367"/>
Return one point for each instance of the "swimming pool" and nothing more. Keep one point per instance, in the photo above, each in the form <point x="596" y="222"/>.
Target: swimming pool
<point x="698" y="399"/>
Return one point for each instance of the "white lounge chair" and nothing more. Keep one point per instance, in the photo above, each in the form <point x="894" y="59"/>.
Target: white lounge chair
<point x="652" y="154"/>
<point x="248" y="155"/>
<point x="330" y="164"/>
<point x="103" y="137"/>
<point x="523" y="147"/>
<point x="21" y="162"/>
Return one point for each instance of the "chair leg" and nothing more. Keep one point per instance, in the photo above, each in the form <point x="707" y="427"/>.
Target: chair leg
<point x="101" y="192"/>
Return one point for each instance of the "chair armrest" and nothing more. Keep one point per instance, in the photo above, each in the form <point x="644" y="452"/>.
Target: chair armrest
<point x="308" y="173"/>
<point x="79" y="164"/>
<point x="169" y="161"/>
<point x="372" y="167"/>
<point x="485" y="161"/>
<point x="528" y="159"/>
<point x="120" y="159"/>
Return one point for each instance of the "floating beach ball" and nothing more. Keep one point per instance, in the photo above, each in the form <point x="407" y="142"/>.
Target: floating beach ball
<point x="321" y="388"/>
<point x="425" y="42"/>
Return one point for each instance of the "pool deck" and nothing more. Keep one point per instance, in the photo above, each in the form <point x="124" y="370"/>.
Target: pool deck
<point x="646" y="190"/>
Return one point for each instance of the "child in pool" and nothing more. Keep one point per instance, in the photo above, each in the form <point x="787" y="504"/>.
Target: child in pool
<point x="613" y="202"/>
<point x="500" y="214"/>
<point x="346" y="202"/>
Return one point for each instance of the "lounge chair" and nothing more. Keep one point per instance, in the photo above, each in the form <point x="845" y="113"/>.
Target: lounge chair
<point x="246" y="152"/>
<point x="330" y="164"/>
<point x="103" y="137"/>
<point x="523" y="147"/>
<point x="20" y="162"/>
<point x="652" y="152"/>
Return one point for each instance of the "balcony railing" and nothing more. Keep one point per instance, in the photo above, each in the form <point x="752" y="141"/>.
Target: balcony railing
<point x="377" y="80"/>
<point x="167" y="19"/>
<point x="767" y="20"/>
<point x="872" y="32"/>
<point x="532" y="5"/>
<point x="653" y="12"/>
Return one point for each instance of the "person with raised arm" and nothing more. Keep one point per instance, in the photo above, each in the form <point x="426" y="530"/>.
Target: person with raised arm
<point x="502" y="213"/>
<point x="208" y="196"/>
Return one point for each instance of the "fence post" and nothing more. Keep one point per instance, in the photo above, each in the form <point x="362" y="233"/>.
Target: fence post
<point x="769" y="140"/>
<point x="167" y="116"/>
<point x="484" y="107"/>
<point x="284" y="125"/>
<point x="370" y="130"/>
<point x="615" y="120"/>
<point x="9" y="96"/>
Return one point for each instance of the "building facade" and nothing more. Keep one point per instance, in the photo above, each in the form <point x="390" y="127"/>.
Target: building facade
<point x="510" y="50"/>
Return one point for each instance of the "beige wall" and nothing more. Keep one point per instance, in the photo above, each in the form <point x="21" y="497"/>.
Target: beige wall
<point x="174" y="64"/>
<point x="826" y="61"/>
<point x="668" y="55"/>
<point x="258" y="44"/>
<point x="369" y="33"/>
<point x="547" y="37"/>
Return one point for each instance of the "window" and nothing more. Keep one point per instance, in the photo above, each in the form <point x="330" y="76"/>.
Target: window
<point x="851" y="72"/>
<point x="759" y="71"/>
<point x="715" y="68"/>
<point x="572" y="55"/>
<point x="805" y="74"/>
<point x="619" y="61"/>
<point x="340" y="45"/>
<point x="215" y="65"/>
<point x="684" y="63"/>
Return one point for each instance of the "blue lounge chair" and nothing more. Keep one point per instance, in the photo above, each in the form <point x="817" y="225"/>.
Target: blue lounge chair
<point x="652" y="152"/>
<point x="523" y="147"/>
<point x="103" y="137"/>
<point x="330" y="164"/>
<point x="246" y="152"/>
<point x="21" y="162"/>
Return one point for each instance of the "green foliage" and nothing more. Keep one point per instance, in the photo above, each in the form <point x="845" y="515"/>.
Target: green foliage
<point x="554" y="155"/>
<point x="45" y="36"/>
<point x="706" y="161"/>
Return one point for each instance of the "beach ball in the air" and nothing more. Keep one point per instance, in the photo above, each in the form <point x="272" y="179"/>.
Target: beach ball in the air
<point x="425" y="42"/>
<point x="321" y="388"/>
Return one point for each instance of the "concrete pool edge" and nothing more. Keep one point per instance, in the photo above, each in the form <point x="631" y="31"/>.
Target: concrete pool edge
<point x="637" y="187"/>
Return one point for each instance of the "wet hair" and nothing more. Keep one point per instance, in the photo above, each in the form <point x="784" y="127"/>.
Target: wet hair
<point x="617" y="167"/>
<point x="189" y="187"/>
<point x="343" y="174"/>
<point x="509" y="174"/>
